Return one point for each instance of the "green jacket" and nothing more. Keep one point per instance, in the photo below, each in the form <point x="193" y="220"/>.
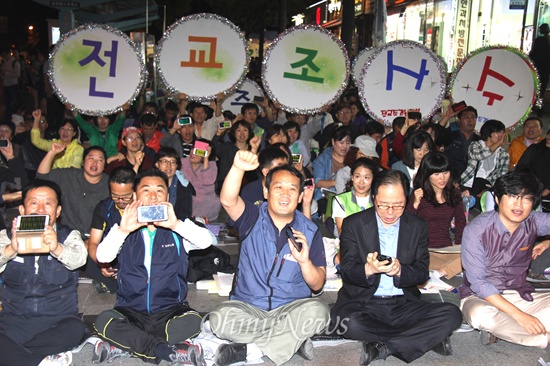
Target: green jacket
<point x="110" y="141"/>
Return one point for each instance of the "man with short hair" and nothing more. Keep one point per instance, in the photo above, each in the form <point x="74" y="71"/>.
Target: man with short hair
<point x="107" y="213"/>
<point x="268" y="159"/>
<point x="39" y="298"/>
<point x="497" y="248"/>
<point x="379" y="302"/>
<point x="532" y="131"/>
<point x="271" y="304"/>
<point x="151" y="135"/>
<point x="343" y="118"/>
<point x="181" y="138"/>
<point x="251" y="115"/>
<point x="456" y="143"/>
<point x="151" y="317"/>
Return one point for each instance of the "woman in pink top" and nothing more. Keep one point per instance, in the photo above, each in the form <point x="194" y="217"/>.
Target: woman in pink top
<point x="202" y="172"/>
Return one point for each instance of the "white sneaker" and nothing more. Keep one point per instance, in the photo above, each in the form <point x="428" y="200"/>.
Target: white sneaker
<point x="61" y="359"/>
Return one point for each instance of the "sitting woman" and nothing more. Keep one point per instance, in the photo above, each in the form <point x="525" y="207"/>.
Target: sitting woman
<point x="438" y="201"/>
<point x="364" y="147"/>
<point x="71" y="157"/>
<point x="274" y="135"/>
<point x="357" y="196"/>
<point x="202" y="172"/>
<point x="134" y="157"/>
<point x="241" y="137"/>
<point x="416" y="146"/>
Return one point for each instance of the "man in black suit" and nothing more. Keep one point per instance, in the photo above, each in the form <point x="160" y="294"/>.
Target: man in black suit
<point x="379" y="302"/>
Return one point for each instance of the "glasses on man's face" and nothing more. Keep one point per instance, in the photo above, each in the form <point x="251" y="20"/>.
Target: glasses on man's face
<point x="525" y="200"/>
<point x="124" y="198"/>
<point x="168" y="162"/>
<point x="67" y="129"/>
<point x="132" y="138"/>
<point x="393" y="207"/>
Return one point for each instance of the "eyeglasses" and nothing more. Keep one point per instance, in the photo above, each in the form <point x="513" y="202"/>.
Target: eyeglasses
<point x="393" y="207"/>
<point x="42" y="121"/>
<point x="167" y="162"/>
<point x="344" y="112"/>
<point x="525" y="200"/>
<point x="130" y="138"/>
<point x="68" y="129"/>
<point x="124" y="198"/>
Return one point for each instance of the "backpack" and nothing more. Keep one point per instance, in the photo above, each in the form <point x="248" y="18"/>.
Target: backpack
<point x="206" y="262"/>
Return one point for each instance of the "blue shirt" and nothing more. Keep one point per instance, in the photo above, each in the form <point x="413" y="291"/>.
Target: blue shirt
<point x="388" y="246"/>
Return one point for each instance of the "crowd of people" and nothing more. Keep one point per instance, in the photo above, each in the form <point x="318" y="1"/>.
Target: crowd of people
<point x="394" y="196"/>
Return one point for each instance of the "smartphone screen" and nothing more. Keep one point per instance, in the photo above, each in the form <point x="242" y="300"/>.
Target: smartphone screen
<point x="183" y="121"/>
<point x="152" y="213"/>
<point x="296" y="158"/>
<point x="4" y="143"/>
<point x="259" y="99"/>
<point x="32" y="222"/>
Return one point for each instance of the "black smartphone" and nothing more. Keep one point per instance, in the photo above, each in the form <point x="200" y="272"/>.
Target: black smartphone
<point x="4" y="143"/>
<point x="290" y="235"/>
<point x="414" y="115"/>
<point x="382" y="257"/>
<point x="259" y="99"/>
<point x="308" y="182"/>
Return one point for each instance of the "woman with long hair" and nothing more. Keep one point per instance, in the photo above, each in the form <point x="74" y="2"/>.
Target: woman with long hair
<point x="416" y="146"/>
<point x="438" y="201"/>
<point x="357" y="196"/>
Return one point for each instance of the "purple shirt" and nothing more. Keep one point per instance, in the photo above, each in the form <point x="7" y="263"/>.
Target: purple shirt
<point x="495" y="260"/>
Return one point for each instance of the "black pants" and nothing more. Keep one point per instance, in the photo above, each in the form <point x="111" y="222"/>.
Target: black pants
<point x="26" y="341"/>
<point x="140" y="333"/>
<point x="93" y="271"/>
<point x="408" y="328"/>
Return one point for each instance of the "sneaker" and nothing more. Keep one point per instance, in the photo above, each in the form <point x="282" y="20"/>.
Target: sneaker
<point x="464" y="328"/>
<point x="187" y="353"/>
<point x="306" y="350"/>
<point x="536" y="277"/>
<point x="104" y="352"/>
<point x="61" y="359"/>
<point x="100" y="287"/>
<point x="487" y="338"/>
<point x="229" y="353"/>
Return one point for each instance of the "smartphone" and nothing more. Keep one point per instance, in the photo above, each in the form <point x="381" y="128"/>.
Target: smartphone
<point x="152" y="213"/>
<point x="28" y="223"/>
<point x="200" y="149"/>
<point x="414" y="115"/>
<point x="290" y="235"/>
<point x="457" y="107"/>
<point x="382" y="257"/>
<point x="184" y="121"/>
<point x="259" y="99"/>
<point x="308" y="183"/>
<point x="4" y="143"/>
<point x="296" y="158"/>
<point x="224" y="125"/>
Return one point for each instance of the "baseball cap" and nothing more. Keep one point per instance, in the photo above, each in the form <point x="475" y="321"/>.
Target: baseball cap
<point x="127" y="130"/>
<point x="367" y="145"/>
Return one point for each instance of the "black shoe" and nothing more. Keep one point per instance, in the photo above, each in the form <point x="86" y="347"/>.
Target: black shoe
<point x="444" y="347"/>
<point x="306" y="350"/>
<point x="487" y="338"/>
<point x="373" y="351"/>
<point x="100" y="287"/>
<point x="229" y="353"/>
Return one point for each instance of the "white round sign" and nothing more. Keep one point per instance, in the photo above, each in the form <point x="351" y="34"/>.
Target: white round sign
<point x="245" y="93"/>
<point x="402" y="76"/>
<point x="97" y="69"/>
<point x="305" y="68"/>
<point x="202" y="55"/>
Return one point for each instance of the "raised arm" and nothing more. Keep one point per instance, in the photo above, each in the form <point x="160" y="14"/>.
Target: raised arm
<point x="45" y="166"/>
<point x="229" y="196"/>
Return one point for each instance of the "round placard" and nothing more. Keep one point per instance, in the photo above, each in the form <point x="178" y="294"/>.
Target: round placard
<point x="202" y="55"/>
<point x="358" y="63"/>
<point x="245" y="93"/>
<point x="499" y="81"/>
<point x="305" y="68"/>
<point x="97" y="69"/>
<point x="402" y="76"/>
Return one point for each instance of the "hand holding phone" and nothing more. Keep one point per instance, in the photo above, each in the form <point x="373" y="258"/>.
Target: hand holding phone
<point x="382" y="257"/>
<point x="292" y="238"/>
<point x="457" y="107"/>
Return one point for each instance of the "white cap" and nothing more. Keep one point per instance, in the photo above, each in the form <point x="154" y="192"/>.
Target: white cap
<point x="367" y="145"/>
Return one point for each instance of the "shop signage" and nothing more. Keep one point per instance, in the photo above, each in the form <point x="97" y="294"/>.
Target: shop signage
<point x="517" y="4"/>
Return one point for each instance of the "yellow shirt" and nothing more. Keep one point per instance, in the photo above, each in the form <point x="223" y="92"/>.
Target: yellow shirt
<point x="70" y="158"/>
